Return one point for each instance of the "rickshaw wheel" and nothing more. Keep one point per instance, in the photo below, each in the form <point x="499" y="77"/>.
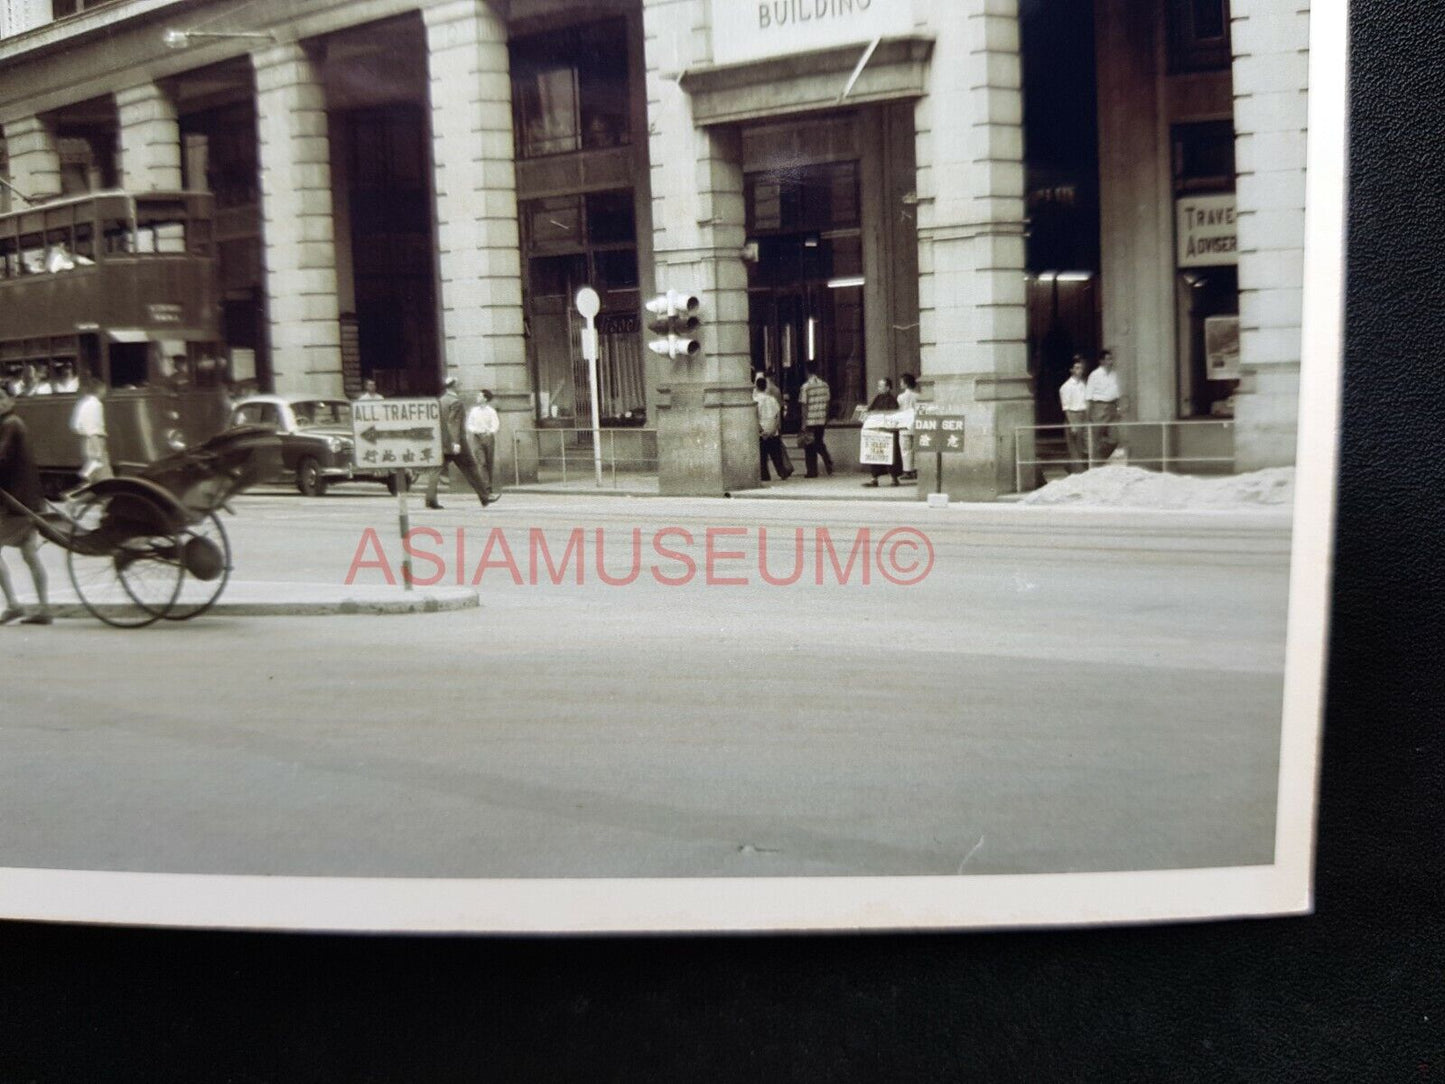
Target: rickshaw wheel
<point x="124" y="557"/>
<point x="199" y="590"/>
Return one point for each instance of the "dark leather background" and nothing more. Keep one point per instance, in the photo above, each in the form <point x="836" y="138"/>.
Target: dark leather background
<point x="1355" y="993"/>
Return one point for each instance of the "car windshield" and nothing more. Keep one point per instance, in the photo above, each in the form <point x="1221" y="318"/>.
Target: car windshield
<point x="322" y="412"/>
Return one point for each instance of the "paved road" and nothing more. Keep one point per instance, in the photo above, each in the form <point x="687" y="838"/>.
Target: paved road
<point x="1066" y="690"/>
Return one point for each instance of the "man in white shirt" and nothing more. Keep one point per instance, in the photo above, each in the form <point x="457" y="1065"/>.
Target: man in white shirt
<point x="1102" y="392"/>
<point x="770" y="427"/>
<point x="66" y="382"/>
<point x="1073" y="397"/>
<point x="369" y="393"/>
<point x="41" y="384"/>
<point x="483" y="423"/>
<point x="87" y="421"/>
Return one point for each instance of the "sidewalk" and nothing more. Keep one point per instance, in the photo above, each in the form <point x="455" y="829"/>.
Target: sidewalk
<point x="843" y="486"/>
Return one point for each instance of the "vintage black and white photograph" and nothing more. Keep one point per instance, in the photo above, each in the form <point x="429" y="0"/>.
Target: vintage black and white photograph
<point x="557" y="465"/>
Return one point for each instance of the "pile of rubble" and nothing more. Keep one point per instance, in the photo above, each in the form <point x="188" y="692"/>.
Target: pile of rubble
<point x="1133" y="487"/>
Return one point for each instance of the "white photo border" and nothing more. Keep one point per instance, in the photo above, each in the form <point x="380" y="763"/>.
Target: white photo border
<point x="824" y="904"/>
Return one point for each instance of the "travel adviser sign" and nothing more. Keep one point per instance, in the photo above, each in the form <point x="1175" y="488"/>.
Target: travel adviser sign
<point x="744" y="30"/>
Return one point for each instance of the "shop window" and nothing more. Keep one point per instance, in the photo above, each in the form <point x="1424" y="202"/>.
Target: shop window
<point x="1203" y="156"/>
<point x="573" y="241"/>
<point x="1198" y="35"/>
<point x="617" y="270"/>
<point x="570" y="89"/>
<point x="556" y="276"/>
<point x="554" y="223"/>
<point x="813" y="198"/>
<point x="87" y="161"/>
<point x="1207" y="279"/>
<point x="610" y="218"/>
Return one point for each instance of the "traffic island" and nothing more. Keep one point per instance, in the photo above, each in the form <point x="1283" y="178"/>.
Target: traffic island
<point x="285" y="599"/>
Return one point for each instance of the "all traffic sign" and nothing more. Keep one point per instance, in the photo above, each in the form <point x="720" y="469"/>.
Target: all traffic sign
<point x="397" y="434"/>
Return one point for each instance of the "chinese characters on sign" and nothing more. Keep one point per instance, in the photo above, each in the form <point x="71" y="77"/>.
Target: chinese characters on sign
<point x="397" y="434"/>
<point x="938" y="427"/>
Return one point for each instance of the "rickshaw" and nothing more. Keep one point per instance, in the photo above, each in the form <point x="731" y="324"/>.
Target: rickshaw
<point x="151" y="546"/>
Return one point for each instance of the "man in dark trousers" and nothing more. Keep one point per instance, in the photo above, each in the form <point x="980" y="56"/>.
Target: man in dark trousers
<point x="457" y="448"/>
<point x="20" y="478"/>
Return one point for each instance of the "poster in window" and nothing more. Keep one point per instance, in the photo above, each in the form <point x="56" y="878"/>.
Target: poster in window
<point x="1221" y="347"/>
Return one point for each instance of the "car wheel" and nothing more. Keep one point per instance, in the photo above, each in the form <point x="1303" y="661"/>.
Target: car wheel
<point x="308" y="478"/>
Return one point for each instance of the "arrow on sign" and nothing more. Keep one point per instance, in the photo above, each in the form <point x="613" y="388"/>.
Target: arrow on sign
<point x="372" y="435"/>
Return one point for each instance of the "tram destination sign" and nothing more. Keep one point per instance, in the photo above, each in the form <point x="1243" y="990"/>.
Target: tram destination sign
<point x="938" y="427"/>
<point x="396" y="434"/>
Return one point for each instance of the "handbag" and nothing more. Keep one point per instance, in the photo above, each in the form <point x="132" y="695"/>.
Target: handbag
<point x="805" y="438"/>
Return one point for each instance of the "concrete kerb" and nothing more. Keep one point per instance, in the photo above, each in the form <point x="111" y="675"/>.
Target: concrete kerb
<point x="281" y="599"/>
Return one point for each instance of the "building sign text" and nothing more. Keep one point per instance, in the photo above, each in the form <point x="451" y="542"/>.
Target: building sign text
<point x="1206" y="231"/>
<point x="744" y="30"/>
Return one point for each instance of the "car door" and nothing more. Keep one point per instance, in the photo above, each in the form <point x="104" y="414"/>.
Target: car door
<point x="276" y="464"/>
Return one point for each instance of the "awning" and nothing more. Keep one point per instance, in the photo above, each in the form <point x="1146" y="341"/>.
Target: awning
<point x="161" y="335"/>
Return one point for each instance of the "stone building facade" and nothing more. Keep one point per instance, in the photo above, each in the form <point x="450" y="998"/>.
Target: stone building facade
<point x="411" y="189"/>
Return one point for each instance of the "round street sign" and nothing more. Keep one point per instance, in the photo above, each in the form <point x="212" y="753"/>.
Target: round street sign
<point x="588" y="303"/>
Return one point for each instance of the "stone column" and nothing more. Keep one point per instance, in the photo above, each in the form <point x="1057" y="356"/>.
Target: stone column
<point x="1271" y="54"/>
<point x="296" y="222"/>
<point x="972" y="306"/>
<point x="707" y="421"/>
<point x="150" y="139"/>
<point x="476" y="202"/>
<point x="34" y="159"/>
<point x="1136" y="207"/>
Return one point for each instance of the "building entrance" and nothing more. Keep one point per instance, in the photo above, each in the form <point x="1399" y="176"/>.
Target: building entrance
<point x="808" y="326"/>
<point x="805" y="288"/>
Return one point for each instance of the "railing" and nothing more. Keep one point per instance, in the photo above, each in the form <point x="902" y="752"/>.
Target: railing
<point x="566" y="454"/>
<point x="1201" y="446"/>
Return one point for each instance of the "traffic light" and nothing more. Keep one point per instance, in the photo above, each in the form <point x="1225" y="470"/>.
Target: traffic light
<point x="674" y="315"/>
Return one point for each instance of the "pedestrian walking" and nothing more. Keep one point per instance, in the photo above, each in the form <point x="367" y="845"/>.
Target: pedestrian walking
<point x="777" y="395"/>
<point x="815" y="396"/>
<point x="884" y="401"/>
<point x="456" y="448"/>
<point x="908" y="399"/>
<point x="87" y="421"/>
<point x="770" y="427"/>
<point x="1074" y="398"/>
<point x="483" y="424"/>
<point x="20" y="478"/>
<point x="1102" y="391"/>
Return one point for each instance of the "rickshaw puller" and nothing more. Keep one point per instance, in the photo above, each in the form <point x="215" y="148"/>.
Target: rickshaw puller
<point x="20" y="478"/>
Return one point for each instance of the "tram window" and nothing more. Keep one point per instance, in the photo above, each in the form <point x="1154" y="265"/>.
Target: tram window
<point x="84" y="243"/>
<point x="118" y="240"/>
<point x="128" y="364"/>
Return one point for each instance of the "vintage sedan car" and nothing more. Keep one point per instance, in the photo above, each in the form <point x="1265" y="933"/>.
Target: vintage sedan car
<point x="316" y="440"/>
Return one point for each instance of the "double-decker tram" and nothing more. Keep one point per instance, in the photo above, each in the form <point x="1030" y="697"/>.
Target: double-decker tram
<point x="118" y="288"/>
